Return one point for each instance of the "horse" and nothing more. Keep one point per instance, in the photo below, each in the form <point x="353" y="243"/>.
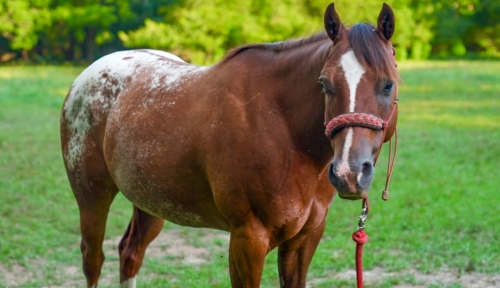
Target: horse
<point x="238" y="146"/>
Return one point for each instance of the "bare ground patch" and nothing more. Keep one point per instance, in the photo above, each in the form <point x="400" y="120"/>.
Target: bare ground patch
<point x="188" y="248"/>
<point x="417" y="279"/>
<point x="174" y="243"/>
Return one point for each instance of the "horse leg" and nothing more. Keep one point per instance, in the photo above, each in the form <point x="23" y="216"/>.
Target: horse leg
<point x="248" y="247"/>
<point x="143" y="229"/>
<point x="295" y="255"/>
<point x="94" y="191"/>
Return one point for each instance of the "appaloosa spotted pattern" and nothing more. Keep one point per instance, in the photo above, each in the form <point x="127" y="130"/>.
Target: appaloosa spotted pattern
<point x="95" y="91"/>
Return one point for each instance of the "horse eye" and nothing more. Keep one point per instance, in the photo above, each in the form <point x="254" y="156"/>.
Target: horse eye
<point x="389" y="86"/>
<point x="323" y="86"/>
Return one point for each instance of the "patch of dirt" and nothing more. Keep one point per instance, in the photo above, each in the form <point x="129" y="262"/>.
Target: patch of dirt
<point x="173" y="243"/>
<point x="15" y="275"/>
<point x="189" y="248"/>
<point x="421" y="280"/>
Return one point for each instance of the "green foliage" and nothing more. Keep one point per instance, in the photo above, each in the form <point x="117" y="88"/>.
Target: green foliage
<point x="467" y="26"/>
<point x="81" y="26"/>
<point x="485" y="30"/>
<point x="22" y="20"/>
<point x="201" y="31"/>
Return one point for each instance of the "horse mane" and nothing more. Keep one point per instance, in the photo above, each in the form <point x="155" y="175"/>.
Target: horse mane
<point x="276" y="46"/>
<point x="364" y="41"/>
<point x="366" y="46"/>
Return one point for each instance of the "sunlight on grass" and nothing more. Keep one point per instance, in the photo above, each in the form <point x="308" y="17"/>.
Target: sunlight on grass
<point x="457" y="104"/>
<point x="450" y="120"/>
<point x="412" y="64"/>
<point x="452" y="94"/>
<point x="436" y="90"/>
<point x="468" y="114"/>
<point x="61" y="92"/>
<point x="37" y="72"/>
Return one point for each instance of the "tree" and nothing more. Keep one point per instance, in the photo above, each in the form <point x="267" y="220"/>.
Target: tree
<point x="201" y="31"/>
<point x="21" y="21"/>
<point x="483" y="35"/>
<point x="80" y="26"/>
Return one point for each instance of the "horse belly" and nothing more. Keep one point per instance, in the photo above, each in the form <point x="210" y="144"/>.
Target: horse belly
<point x="180" y="198"/>
<point x="155" y="167"/>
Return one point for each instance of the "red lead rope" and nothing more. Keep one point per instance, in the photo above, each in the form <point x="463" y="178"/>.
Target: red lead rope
<point x="360" y="237"/>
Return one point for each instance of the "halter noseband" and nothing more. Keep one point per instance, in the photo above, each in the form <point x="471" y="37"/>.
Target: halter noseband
<point x="357" y="119"/>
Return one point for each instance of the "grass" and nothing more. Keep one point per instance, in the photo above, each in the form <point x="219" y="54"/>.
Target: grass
<point x="441" y="213"/>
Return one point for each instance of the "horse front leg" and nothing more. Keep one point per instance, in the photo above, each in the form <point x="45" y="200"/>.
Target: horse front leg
<point x="295" y="255"/>
<point x="248" y="247"/>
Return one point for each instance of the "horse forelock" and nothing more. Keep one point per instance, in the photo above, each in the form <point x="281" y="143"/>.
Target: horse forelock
<point x="276" y="47"/>
<point x="368" y="49"/>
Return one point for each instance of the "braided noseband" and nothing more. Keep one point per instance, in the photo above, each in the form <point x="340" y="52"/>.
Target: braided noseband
<point x="357" y="119"/>
<point x="353" y="119"/>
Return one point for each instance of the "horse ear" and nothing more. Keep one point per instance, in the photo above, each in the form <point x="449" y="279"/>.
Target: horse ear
<point x="333" y="25"/>
<point x="386" y="22"/>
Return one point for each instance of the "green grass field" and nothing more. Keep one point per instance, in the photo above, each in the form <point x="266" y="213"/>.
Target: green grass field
<point x="442" y="214"/>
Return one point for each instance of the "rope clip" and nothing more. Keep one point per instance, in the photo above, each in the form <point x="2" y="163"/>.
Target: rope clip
<point x="362" y="217"/>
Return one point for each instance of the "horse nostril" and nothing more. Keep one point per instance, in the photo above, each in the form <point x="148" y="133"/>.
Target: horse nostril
<point x="334" y="179"/>
<point x="367" y="168"/>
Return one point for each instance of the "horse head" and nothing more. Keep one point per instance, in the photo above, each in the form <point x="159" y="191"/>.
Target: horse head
<point x="360" y="82"/>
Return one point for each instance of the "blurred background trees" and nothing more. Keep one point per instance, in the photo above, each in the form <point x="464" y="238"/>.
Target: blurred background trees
<point x="201" y="31"/>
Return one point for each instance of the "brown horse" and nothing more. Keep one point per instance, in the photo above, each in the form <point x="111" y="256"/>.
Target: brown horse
<point x="239" y="146"/>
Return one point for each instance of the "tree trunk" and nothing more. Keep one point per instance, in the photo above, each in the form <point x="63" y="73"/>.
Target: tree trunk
<point x="90" y="34"/>
<point x="24" y="54"/>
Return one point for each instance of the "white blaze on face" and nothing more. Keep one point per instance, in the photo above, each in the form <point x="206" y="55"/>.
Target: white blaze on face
<point x="353" y="71"/>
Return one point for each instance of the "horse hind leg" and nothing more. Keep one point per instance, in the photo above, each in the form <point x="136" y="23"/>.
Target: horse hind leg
<point x="141" y="231"/>
<point x="94" y="191"/>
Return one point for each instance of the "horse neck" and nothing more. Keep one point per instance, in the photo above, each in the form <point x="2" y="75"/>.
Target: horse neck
<point x="300" y="99"/>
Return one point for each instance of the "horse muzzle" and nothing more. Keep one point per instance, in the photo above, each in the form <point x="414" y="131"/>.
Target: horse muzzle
<point x="351" y="180"/>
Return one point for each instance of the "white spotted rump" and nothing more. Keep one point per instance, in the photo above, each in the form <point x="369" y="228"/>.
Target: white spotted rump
<point x="98" y="87"/>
